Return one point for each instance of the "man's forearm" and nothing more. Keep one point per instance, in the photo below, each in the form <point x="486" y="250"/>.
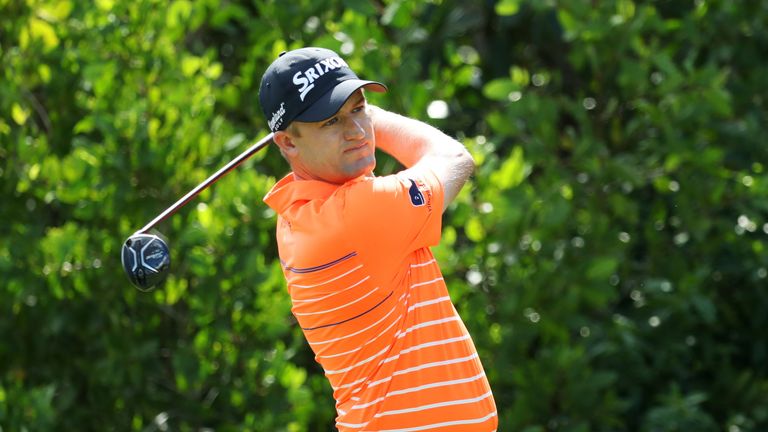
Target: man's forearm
<point x="409" y="140"/>
<point x="415" y="143"/>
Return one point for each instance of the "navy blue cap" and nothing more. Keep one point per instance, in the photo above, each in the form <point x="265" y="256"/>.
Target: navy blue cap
<point x="309" y="85"/>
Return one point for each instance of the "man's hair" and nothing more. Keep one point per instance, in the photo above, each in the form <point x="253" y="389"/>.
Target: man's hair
<point x="293" y="129"/>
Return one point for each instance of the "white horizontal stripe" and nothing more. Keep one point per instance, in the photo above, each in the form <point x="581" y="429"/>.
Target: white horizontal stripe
<point x="405" y="351"/>
<point x="443" y="424"/>
<point x="366" y="405"/>
<point x="338" y="307"/>
<point x="367" y="342"/>
<point x="434" y="405"/>
<point x="426" y="283"/>
<point x="399" y="335"/>
<point x="437" y="384"/>
<point x="418" y="388"/>
<point x="423" y="264"/>
<point x="434" y="343"/>
<point x="353" y="425"/>
<point x="359" y="331"/>
<point x="350" y="384"/>
<point x="425" y="345"/>
<point x="420" y="367"/>
<point x="429" y="302"/>
<point x="402" y="334"/>
<point x="360" y="363"/>
<point x="329" y="280"/>
<point x="427" y="324"/>
<point x="354" y="383"/>
<point x="333" y="293"/>
<point x="375" y="383"/>
<point x="436" y="364"/>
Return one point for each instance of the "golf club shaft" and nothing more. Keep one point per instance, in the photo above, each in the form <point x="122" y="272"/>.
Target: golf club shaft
<point x="205" y="184"/>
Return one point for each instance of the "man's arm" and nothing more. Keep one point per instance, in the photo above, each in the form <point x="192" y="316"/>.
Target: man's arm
<point x="418" y="145"/>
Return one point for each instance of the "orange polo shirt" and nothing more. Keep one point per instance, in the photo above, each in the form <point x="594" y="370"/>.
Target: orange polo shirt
<point x="373" y="305"/>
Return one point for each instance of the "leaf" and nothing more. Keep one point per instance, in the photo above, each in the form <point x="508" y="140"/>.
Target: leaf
<point x="85" y="125"/>
<point x="520" y="77"/>
<point x="363" y="7"/>
<point x="205" y="215"/>
<point x="512" y="172"/>
<point x="45" y="73"/>
<point x="214" y="71"/>
<point x="570" y="24"/>
<point x="705" y="308"/>
<point x="105" y="5"/>
<point x="190" y="65"/>
<point x="499" y="89"/>
<point x="507" y="7"/>
<point x="555" y="212"/>
<point x="178" y="13"/>
<point x="85" y="155"/>
<point x="719" y="101"/>
<point x="40" y="29"/>
<point x="57" y="12"/>
<point x="392" y="15"/>
<point x="19" y="114"/>
<point x="602" y="267"/>
<point x="34" y="171"/>
<point x="475" y="230"/>
<point x="24" y="38"/>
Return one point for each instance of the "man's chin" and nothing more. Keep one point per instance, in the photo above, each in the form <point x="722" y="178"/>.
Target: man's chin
<point x="366" y="167"/>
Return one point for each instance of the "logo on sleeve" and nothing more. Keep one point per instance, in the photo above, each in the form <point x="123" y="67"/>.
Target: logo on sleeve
<point x="417" y="198"/>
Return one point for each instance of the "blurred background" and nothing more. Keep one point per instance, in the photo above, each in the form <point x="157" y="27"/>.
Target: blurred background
<point x="609" y="255"/>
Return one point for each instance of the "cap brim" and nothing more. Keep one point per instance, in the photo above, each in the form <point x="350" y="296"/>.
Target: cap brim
<point x="327" y="105"/>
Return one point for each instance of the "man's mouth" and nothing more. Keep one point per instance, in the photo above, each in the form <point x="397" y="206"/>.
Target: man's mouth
<point x="356" y="148"/>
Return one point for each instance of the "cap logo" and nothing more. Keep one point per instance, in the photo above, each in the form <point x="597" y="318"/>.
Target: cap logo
<point x="277" y="117"/>
<point x="308" y="85"/>
<point x="304" y="80"/>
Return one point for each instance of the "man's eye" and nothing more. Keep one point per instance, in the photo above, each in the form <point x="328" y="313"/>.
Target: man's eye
<point x="331" y="122"/>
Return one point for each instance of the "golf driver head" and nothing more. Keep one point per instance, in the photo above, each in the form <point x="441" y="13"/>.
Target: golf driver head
<point x="146" y="260"/>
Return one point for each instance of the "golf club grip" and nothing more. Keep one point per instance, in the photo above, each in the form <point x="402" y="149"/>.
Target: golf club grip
<point x="207" y="182"/>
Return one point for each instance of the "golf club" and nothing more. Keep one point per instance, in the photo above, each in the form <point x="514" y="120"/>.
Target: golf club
<point x="146" y="257"/>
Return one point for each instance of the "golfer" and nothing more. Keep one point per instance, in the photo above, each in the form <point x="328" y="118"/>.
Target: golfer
<point x="364" y="285"/>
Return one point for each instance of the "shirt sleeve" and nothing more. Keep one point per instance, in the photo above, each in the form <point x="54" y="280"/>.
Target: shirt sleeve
<point x="392" y="216"/>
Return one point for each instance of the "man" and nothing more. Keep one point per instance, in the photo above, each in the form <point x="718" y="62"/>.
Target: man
<point x="364" y="286"/>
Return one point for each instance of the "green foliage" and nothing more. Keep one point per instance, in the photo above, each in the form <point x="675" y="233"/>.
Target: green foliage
<point x="608" y="256"/>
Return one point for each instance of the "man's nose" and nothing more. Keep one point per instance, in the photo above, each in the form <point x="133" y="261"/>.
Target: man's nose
<point x="353" y="129"/>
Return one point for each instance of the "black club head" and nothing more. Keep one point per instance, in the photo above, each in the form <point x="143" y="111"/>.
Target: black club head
<point x="146" y="260"/>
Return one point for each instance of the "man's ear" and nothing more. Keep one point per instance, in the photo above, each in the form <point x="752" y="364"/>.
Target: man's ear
<point x="284" y="141"/>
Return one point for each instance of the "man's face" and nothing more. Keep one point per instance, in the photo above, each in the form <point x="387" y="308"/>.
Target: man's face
<point x="335" y="150"/>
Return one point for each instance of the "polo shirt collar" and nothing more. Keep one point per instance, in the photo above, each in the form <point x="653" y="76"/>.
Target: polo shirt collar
<point x="288" y="191"/>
